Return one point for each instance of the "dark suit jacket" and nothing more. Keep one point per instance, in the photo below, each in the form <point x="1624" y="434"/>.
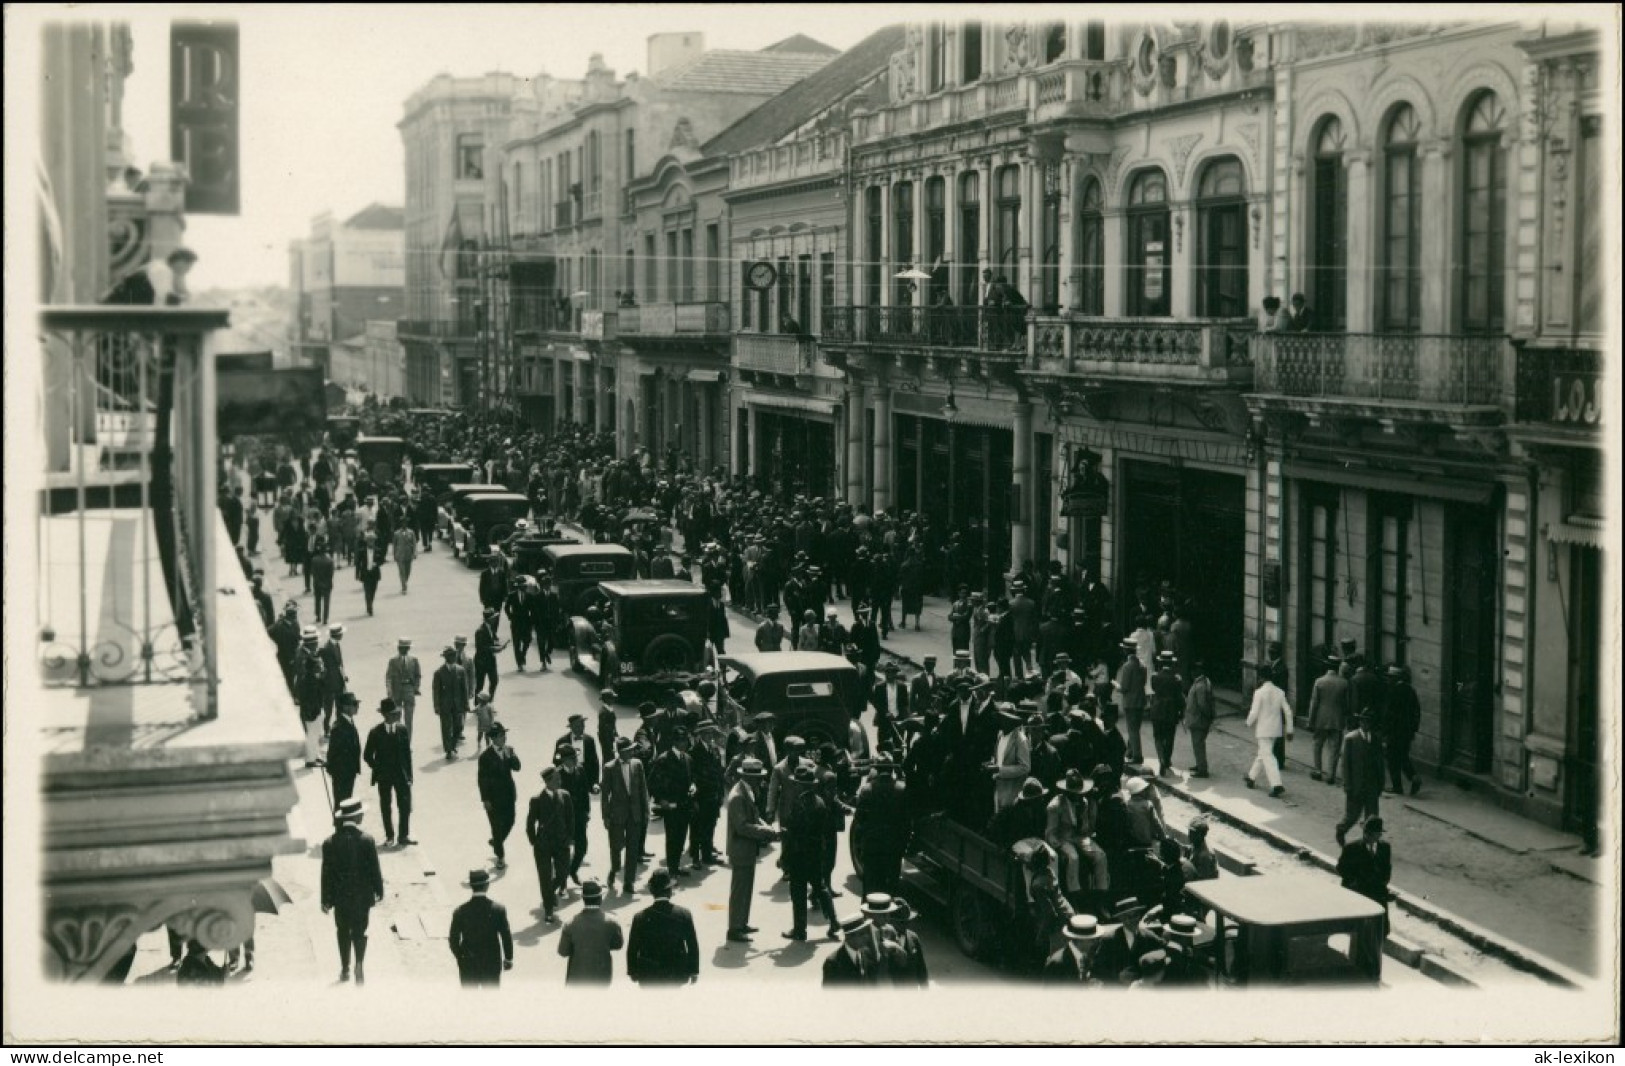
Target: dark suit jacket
<point x="495" y="776"/>
<point x="663" y="948"/>
<point x="390" y="755"/>
<point x="1364" y="872"/>
<point x="1362" y="765"/>
<point x="922" y="690"/>
<point x="450" y="688"/>
<point x="493" y="587"/>
<point x="587" y="941"/>
<point x="877" y="699"/>
<point x="619" y="806"/>
<point x="550" y="823"/>
<point x="669" y="780"/>
<point x="333" y="677"/>
<point x="589" y="764"/>
<point x="480" y="939"/>
<point x="344" y="748"/>
<point x="1062" y="968"/>
<point x="351" y="877"/>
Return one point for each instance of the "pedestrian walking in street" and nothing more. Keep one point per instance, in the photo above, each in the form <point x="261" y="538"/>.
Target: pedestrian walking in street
<point x="498" y="793"/>
<point x="1167" y="704"/>
<point x="1270" y="719"/>
<point x="449" y="688"/>
<point x="335" y="679"/>
<point x="352" y="884"/>
<point x="1362" y="775"/>
<point x="710" y="789"/>
<point x="590" y="940"/>
<point x="1366" y="866"/>
<point x="912" y="971"/>
<point x="486" y="646"/>
<point x="344" y="749"/>
<point x="625" y="808"/>
<point x="308" y="685"/>
<point x="803" y="854"/>
<point x="1402" y="721"/>
<point x="1199" y="716"/>
<point x="389" y="754"/>
<point x="320" y="569"/>
<point x="671" y="784"/>
<point x="663" y="948"/>
<point x="368" y="572"/>
<point x="881" y="824"/>
<point x="1131" y="697"/>
<point x="406" y="551"/>
<point x="520" y="620"/>
<point x="403" y="681"/>
<point x="1328" y="711"/>
<point x="747" y="833"/>
<point x="573" y="779"/>
<point x="480" y="939"/>
<point x="550" y="826"/>
<point x="770" y="634"/>
<point x="864" y="957"/>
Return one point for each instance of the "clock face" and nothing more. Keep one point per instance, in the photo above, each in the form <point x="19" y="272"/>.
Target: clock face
<point x="762" y="275"/>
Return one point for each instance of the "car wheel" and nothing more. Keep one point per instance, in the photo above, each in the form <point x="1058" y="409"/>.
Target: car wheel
<point x="854" y="846"/>
<point x="974" y="922"/>
<point x="667" y="654"/>
<point x="575" y="658"/>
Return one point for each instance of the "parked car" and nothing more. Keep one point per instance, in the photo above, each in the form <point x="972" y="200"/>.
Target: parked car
<point x="435" y="478"/>
<point x="577" y="570"/>
<point x="381" y="457"/>
<point x="449" y="499"/>
<point x="650" y="632"/>
<point x="810" y="694"/>
<point x="1292" y="929"/>
<point x="484" y="519"/>
<point x="527" y="550"/>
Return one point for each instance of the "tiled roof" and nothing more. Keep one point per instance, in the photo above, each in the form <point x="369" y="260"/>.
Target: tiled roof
<point x="377" y="216"/>
<point x="753" y="73"/>
<point x="813" y="94"/>
<point x="803" y="44"/>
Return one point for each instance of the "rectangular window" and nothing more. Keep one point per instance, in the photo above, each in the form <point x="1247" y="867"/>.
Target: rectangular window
<point x="1094" y="40"/>
<point x="902" y="247"/>
<point x="651" y="267"/>
<point x="874" y="220"/>
<point x="713" y="262"/>
<point x="804" y="291"/>
<point x="784" y="294"/>
<point x="1007" y="223"/>
<point x="1483" y="236"/>
<point x="937" y="36"/>
<point x="688" y="266"/>
<point x="936" y="231"/>
<point x="1390" y="532"/>
<point x="1590" y="277"/>
<point x="470" y="157"/>
<point x="1091" y="257"/>
<point x="669" y="289"/>
<point x="826" y="284"/>
<point x="631" y="156"/>
<point x="746" y="296"/>
<point x="629" y="274"/>
<point x="970" y="54"/>
<point x="1402" y="274"/>
<point x="1323" y="573"/>
<point x="970" y="236"/>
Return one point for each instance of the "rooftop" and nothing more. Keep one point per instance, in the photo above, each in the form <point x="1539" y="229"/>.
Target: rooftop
<point x="745" y="73"/>
<point x="378" y="216"/>
<point x="802" y="44"/>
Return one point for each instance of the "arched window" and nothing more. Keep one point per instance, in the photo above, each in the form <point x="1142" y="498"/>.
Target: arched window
<point x="1089" y="295"/>
<point x="1007" y="223"/>
<point x="902" y="241"/>
<point x="1147" y="251"/>
<point x="1328" y="229"/>
<point x="1049" y="294"/>
<point x="1483" y="211"/>
<point x="1221" y="251"/>
<point x="936" y="235"/>
<point x="970" y="229"/>
<point x="1400" y="286"/>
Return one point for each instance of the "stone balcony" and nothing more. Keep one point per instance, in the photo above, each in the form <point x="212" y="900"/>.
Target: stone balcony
<point x="810" y="157"/>
<point x="783" y="355"/>
<point x="675" y="325"/>
<point x="1159" y="351"/>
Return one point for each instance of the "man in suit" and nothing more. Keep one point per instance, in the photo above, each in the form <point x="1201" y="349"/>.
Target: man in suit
<point x="1298" y="318"/>
<point x="1167" y="704"/>
<point x="389" y="754"/>
<point x="450" y="690"/>
<point x="1199" y="716"/>
<point x="882" y="812"/>
<point x="1362" y="775"/>
<point x="1131" y="685"/>
<point x="1366" y="866"/>
<point x="663" y="948"/>
<point x="755" y="744"/>
<point x="403" y="681"/>
<point x="486" y="646"/>
<point x="770" y="634"/>
<point x="493" y="589"/>
<point x="334" y="679"/>
<point x="710" y="789"/>
<point x="864" y="957"/>
<point x="671" y="784"/>
<point x="1074" y="963"/>
<point x="481" y="941"/>
<point x="585" y="747"/>
<point x="309" y="683"/>
<point x="625" y="807"/>
<point x="890" y="699"/>
<point x="344" y="750"/>
<point x="1328" y="716"/>
<point x="589" y="940"/>
<point x="804" y="821"/>
<point x="498" y="793"/>
<point x="1012" y="758"/>
<point x="1399" y="727"/>
<point x="352" y="884"/>
<point x="747" y="832"/>
<point x="550" y="826"/>
<point x="574" y="781"/>
<point x="1023" y="630"/>
<point x="320" y="571"/>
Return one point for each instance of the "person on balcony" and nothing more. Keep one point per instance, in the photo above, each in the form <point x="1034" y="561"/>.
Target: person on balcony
<point x="1271" y="321"/>
<point x="161" y="283"/>
<point x="1298" y="318"/>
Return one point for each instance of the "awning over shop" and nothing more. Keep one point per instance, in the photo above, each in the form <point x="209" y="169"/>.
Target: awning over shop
<point x="1577" y="536"/>
<point x="1479" y="492"/>
<point x="705" y="375"/>
<point x="795" y="403"/>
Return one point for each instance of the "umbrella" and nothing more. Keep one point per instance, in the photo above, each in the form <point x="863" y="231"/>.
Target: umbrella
<point x="268" y="896"/>
<point x="913" y="274"/>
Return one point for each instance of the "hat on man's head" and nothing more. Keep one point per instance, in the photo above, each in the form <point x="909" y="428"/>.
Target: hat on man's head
<point x="1166" y="658"/>
<point x="1082" y="927"/>
<point x="335" y="632"/>
<point x="623" y="744"/>
<point x="805" y="774"/>
<point x="1373" y="825"/>
<point x="498" y="727"/>
<point x="795" y="743"/>
<point x="459" y="640"/>
<point x="1198" y="828"/>
<point x="752" y="768"/>
<point x="661" y="883"/>
<point x="1032" y="788"/>
<point x="574" y="718"/>
<point x="307" y="634"/>
<point x="1395" y="670"/>
<point x="761" y="717"/>
<point x="1135" y="785"/>
<point x="853" y="925"/>
<point x="404" y="642"/>
<point x="1128" y="644"/>
<point x="647" y="708"/>
<point x="482" y="697"/>
<point x="478" y="880"/>
<point x="386" y="706"/>
<point x="878" y="903"/>
<point x="449" y="652"/>
<point x="349" y="810"/>
<point x="1074" y="783"/>
<point x="1184" y="927"/>
<point x="592" y="893"/>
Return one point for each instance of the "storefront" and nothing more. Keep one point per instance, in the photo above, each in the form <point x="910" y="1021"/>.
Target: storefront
<point x="958" y="474"/>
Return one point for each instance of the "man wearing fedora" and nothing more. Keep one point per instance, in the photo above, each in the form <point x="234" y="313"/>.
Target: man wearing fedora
<point x="1328" y="716"/>
<point x="671" y="784"/>
<point x="486" y="646"/>
<point x="1402" y="720"/>
<point x="403" y="680"/>
<point x="625" y="808"/>
<point x="1130" y="696"/>
<point x="1185" y="967"/>
<point x="550" y="827"/>
<point x="498" y="793"/>
<point x="863" y="958"/>
<point x="389" y="754"/>
<point x="662" y="948"/>
<point x="334" y="678"/>
<point x="770" y="634"/>
<point x="352" y="884"/>
<point x="710" y="789"/>
<point x="1075" y="962"/>
<point x="1363" y="774"/>
<point x="1366" y="866"/>
<point x="1063" y="829"/>
<point x="747" y="832"/>
<point x="449" y="687"/>
<point x="803" y="853"/>
<point x="480" y="939"/>
<point x="1012" y="758"/>
<point x="574" y="780"/>
<point x="344" y="749"/>
<point x="881" y="823"/>
<point x="912" y="971"/>
<point x="1199" y="712"/>
<point x="1167" y="704"/>
<point x="590" y="939"/>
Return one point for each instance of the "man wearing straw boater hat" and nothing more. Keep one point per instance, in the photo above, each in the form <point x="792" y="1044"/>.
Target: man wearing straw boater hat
<point x="352" y="883"/>
<point x="1074" y="963"/>
<point x="480" y="939"/>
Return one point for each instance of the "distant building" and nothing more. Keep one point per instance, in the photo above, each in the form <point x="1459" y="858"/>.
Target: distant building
<point x="344" y="275"/>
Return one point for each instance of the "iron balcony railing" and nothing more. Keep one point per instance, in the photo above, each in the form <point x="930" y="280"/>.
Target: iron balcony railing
<point x="127" y="520"/>
<point x="1454" y="369"/>
<point x="1560" y="387"/>
<point x="995" y="330"/>
<point x="543" y="315"/>
<point x="672" y="319"/>
<point x="774" y="353"/>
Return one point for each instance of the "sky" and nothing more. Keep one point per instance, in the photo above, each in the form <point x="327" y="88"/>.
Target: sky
<point x="323" y="88"/>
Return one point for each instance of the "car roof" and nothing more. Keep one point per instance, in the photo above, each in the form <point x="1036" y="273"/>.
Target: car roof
<point x="475" y="486"/>
<point x="443" y="466"/>
<point x="766" y="664"/>
<point x="380" y="440"/>
<point x="571" y="551"/>
<point x="1282" y="899"/>
<point x="500" y="497"/>
<point x="650" y="589"/>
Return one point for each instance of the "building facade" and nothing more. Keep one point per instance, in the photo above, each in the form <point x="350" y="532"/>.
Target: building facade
<point x="344" y="275"/>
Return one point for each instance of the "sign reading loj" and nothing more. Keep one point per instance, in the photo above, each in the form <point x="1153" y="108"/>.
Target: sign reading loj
<point x="204" y="103"/>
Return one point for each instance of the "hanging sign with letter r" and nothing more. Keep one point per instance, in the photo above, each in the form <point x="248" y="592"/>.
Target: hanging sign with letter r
<point x="204" y="107"/>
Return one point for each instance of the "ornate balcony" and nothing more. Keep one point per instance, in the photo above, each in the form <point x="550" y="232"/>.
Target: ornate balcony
<point x="675" y="325"/>
<point x="781" y="354"/>
<point x="1559" y="394"/>
<point x="164" y="719"/>
<point x="1163" y="351"/>
<point x="819" y="155"/>
<point x="1382" y="368"/>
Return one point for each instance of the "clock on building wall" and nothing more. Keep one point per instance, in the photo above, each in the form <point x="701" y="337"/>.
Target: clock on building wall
<point x="761" y="275"/>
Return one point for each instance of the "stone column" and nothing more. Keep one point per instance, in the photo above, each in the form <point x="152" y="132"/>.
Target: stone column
<point x="1021" y="524"/>
<point x="1435" y="236"/>
<point x="1359" y="281"/>
<point x="985" y="216"/>
<point x="921" y="288"/>
<point x="856" y="401"/>
<point x="950" y="232"/>
<point x="752" y="444"/>
<point x="704" y="451"/>
<point x="885" y="244"/>
<point x="578" y="396"/>
<point x="883" y="459"/>
<point x="1030" y="225"/>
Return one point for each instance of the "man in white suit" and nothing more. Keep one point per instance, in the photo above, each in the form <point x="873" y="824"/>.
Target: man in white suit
<point x="1012" y="759"/>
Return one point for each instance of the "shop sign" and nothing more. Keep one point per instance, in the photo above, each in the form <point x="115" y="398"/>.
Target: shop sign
<point x="204" y="103"/>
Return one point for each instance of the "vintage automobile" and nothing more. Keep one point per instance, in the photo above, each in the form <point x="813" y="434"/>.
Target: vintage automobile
<point x="454" y="494"/>
<point x="1292" y="929"/>
<point x="527" y="549"/>
<point x="381" y="457"/>
<point x="436" y="478"/>
<point x="577" y="571"/>
<point x="810" y="694"/>
<point x="650" y="632"/>
<point x="343" y="430"/>
<point x="483" y="519"/>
